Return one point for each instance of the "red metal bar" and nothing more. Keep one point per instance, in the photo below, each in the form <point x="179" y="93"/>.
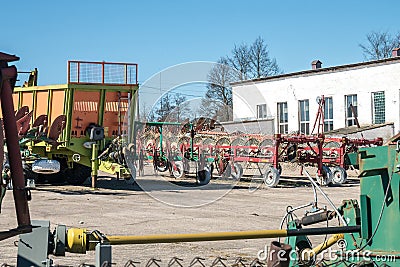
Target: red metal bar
<point x="8" y="78"/>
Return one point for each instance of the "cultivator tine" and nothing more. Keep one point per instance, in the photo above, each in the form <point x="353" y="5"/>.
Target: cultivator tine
<point x="239" y="262"/>
<point x="197" y="260"/>
<point x="153" y="261"/>
<point x="218" y="260"/>
<point x="131" y="263"/>
<point x="257" y="263"/>
<point x="175" y="260"/>
<point x="106" y="264"/>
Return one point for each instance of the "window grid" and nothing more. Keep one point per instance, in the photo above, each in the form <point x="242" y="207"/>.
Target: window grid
<point x="262" y="111"/>
<point x="351" y="100"/>
<point x="304" y="118"/>
<point x="379" y="107"/>
<point x="328" y="114"/>
<point x="283" y="126"/>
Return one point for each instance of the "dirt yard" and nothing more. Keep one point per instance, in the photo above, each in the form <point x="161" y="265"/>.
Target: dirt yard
<point x="162" y="207"/>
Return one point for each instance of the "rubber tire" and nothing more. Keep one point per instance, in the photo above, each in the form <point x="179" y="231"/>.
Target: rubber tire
<point x="204" y="176"/>
<point x="178" y="173"/>
<point x="132" y="179"/>
<point x="162" y="168"/>
<point x="28" y="173"/>
<point x="326" y="179"/>
<point x="237" y="171"/>
<point x="46" y="166"/>
<point x="78" y="174"/>
<point x="227" y="172"/>
<point x="271" y="177"/>
<point x="339" y="175"/>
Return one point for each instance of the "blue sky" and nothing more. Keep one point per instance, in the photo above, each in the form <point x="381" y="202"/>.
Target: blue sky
<point x="159" y="34"/>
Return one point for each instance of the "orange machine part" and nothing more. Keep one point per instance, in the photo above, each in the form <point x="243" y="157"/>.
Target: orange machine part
<point x="85" y="111"/>
<point x="116" y="105"/>
<point x="57" y="105"/>
<point x="42" y="100"/>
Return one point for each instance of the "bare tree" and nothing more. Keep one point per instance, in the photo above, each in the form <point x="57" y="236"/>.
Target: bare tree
<point x="181" y="108"/>
<point x="240" y="61"/>
<point x="164" y="108"/>
<point x="261" y="64"/>
<point x="379" y="45"/>
<point x="218" y="98"/>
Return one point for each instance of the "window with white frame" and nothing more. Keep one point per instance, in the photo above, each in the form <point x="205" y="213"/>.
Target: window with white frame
<point x="328" y="114"/>
<point x="283" y="116"/>
<point x="261" y="111"/>
<point x="304" y="116"/>
<point x="351" y="109"/>
<point x="378" y="110"/>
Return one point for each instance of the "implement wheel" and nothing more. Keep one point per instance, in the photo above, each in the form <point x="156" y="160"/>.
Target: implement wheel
<point x="271" y="177"/>
<point x="177" y="170"/>
<point x="326" y="178"/>
<point x="78" y="174"/>
<point x="339" y="175"/>
<point x="237" y="171"/>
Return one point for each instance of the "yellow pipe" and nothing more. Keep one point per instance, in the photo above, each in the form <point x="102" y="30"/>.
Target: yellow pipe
<point x="310" y="253"/>
<point x="171" y="238"/>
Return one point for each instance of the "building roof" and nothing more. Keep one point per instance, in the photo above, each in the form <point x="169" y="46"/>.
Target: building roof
<point x="386" y="61"/>
<point x="354" y="129"/>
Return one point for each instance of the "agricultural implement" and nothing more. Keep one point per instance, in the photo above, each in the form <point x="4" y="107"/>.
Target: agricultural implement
<point x="367" y="234"/>
<point x="231" y="154"/>
<point x="70" y="131"/>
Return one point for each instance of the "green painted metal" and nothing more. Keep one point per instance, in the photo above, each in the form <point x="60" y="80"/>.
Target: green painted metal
<point x="378" y="211"/>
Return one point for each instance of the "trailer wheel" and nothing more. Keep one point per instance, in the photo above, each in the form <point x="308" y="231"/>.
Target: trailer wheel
<point x="326" y="178"/>
<point x="178" y="171"/>
<point x="46" y="166"/>
<point x="78" y="174"/>
<point x="271" y="177"/>
<point x="204" y="176"/>
<point x="339" y="175"/>
<point x="237" y="171"/>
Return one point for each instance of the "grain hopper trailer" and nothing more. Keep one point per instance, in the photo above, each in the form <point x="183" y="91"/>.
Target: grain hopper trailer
<point x="70" y="131"/>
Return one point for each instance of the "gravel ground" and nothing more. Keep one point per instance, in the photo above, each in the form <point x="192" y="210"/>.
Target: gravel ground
<point x="116" y="208"/>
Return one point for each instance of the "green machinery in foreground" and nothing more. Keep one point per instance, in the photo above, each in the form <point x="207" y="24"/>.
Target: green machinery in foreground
<point x="69" y="131"/>
<point x="368" y="235"/>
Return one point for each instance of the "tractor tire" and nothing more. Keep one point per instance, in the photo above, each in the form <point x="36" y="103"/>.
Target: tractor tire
<point x="339" y="175"/>
<point x="78" y="174"/>
<point x="271" y="177"/>
<point x="204" y="176"/>
<point x="46" y="166"/>
<point x="237" y="171"/>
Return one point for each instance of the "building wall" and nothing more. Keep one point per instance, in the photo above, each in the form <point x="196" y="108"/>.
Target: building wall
<point x="362" y="80"/>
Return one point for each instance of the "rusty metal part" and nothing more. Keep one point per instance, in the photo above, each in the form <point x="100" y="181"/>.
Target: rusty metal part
<point x="316" y="218"/>
<point x="57" y="127"/>
<point x="21" y="112"/>
<point x="7" y="79"/>
<point x="279" y="254"/>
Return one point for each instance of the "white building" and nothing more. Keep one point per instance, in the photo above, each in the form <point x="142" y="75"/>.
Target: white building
<point x="372" y="88"/>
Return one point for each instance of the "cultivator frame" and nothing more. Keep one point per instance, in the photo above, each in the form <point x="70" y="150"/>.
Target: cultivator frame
<point x="331" y="156"/>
